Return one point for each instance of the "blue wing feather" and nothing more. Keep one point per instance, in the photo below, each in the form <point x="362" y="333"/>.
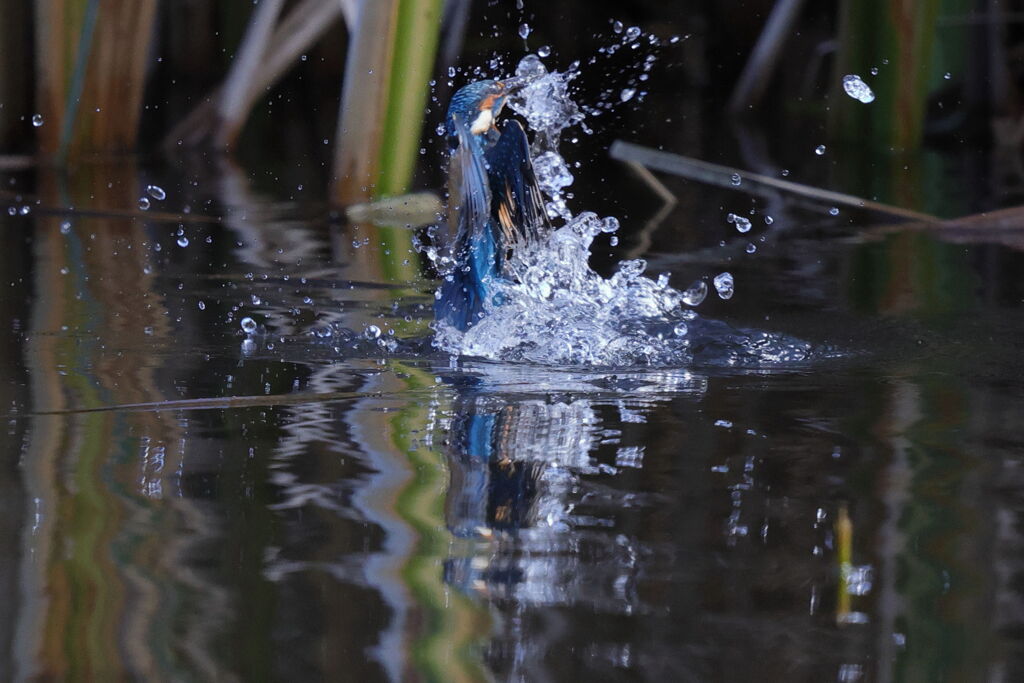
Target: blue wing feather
<point x="499" y="207"/>
<point x="517" y="207"/>
<point x="464" y="291"/>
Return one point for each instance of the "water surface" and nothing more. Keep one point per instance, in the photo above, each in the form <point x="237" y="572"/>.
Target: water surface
<point x="183" y="501"/>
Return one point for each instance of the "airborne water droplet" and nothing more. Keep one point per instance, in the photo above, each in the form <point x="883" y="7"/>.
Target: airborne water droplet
<point x="544" y="51"/>
<point x="724" y="285"/>
<point x="742" y="224"/>
<point x="695" y="293"/>
<point x="524" y="31"/>
<point x="819" y="150"/>
<point x="37" y="120"/>
<point x="248" y="325"/>
<point x="627" y="94"/>
<point x="371" y="332"/>
<point x="144" y="203"/>
<point x="834" y="211"/>
<point x="858" y="89"/>
<point x="156" y="192"/>
<point x="182" y="241"/>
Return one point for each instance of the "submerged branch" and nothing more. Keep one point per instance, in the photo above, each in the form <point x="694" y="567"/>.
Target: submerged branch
<point x="294" y="34"/>
<point x="236" y="95"/>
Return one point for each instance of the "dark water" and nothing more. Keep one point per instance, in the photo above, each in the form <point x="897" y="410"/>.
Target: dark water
<point x="180" y="507"/>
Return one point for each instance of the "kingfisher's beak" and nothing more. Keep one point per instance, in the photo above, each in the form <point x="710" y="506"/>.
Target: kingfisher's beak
<point x="516" y="83"/>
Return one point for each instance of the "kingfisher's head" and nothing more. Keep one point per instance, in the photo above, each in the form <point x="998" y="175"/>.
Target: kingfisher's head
<point x="478" y="105"/>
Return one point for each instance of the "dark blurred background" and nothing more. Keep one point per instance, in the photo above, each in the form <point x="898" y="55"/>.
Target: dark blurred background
<point x="946" y="74"/>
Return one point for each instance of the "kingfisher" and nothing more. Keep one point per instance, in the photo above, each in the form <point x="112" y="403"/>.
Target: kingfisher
<point x="495" y="205"/>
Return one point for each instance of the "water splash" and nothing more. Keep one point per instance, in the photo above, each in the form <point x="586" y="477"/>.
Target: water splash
<point x="558" y="311"/>
<point x="555" y="310"/>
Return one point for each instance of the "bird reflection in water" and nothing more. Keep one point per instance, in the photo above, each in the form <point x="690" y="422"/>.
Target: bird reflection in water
<point x="517" y="467"/>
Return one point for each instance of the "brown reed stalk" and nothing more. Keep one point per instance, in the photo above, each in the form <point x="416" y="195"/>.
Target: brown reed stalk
<point x="390" y="58"/>
<point x="91" y="61"/>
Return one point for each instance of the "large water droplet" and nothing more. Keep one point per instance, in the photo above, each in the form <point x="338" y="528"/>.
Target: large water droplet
<point x="819" y="150"/>
<point x="632" y="33"/>
<point x="182" y="241"/>
<point x="37" y="120"/>
<point x="524" y="31"/>
<point x="371" y="332"/>
<point x="156" y="192"/>
<point x="627" y="94"/>
<point x="544" y="51"/>
<point x="144" y="203"/>
<point x="530" y="65"/>
<point x="724" y="285"/>
<point x="248" y="325"/>
<point x="858" y="89"/>
<point x="742" y="224"/>
<point x="695" y="293"/>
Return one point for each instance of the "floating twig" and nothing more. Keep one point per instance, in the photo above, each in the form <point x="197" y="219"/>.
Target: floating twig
<point x="1003" y="226"/>
<point x="716" y="174"/>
